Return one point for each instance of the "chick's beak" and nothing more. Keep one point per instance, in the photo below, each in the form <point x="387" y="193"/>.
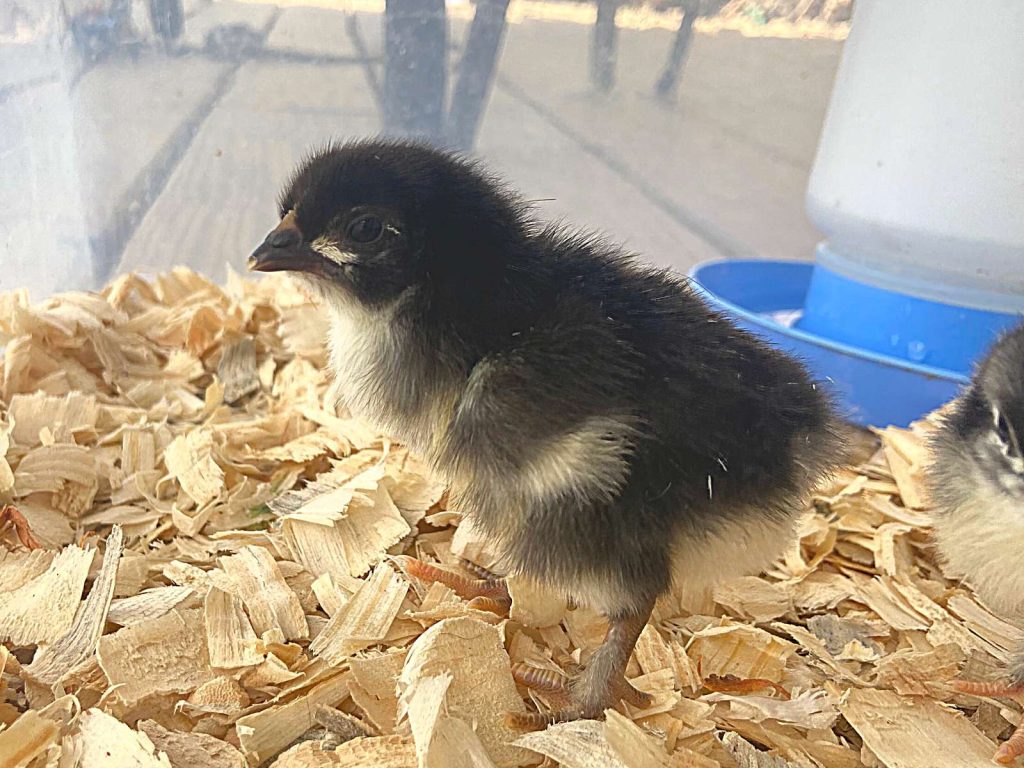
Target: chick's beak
<point x="285" y="250"/>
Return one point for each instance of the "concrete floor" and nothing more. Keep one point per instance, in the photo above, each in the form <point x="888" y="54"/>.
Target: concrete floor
<point x="179" y="158"/>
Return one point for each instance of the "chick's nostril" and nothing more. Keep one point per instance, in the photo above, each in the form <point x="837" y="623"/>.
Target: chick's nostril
<point x="282" y="238"/>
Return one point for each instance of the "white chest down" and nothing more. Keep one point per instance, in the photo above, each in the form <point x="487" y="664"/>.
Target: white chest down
<point x="366" y="347"/>
<point x="982" y="542"/>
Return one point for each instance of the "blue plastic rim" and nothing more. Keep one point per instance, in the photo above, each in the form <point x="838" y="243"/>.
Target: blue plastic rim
<point x="872" y="388"/>
<point x="896" y="324"/>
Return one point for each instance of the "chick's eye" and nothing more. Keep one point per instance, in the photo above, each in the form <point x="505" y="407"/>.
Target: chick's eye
<point x="365" y="229"/>
<point x="1003" y="428"/>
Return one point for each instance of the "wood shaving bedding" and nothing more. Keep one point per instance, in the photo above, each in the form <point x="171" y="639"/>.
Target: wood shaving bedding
<point x="220" y="581"/>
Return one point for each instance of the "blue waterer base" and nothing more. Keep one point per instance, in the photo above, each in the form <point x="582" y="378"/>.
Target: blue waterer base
<point x="875" y="376"/>
<point x="842" y="306"/>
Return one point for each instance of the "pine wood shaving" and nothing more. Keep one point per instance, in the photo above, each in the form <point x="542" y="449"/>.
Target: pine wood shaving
<point x="163" y="655"/>
<point x="747" y="756"/>
<point x="52" y="662"/>
<point x="441" y="740"/>
<point x="8" y="713"/>
<point x="104" y="741"/>
<point x="328" y="595"/>
<point x="580" y="744"/>
<point x="920" y="673"/>
<point x="307" y="754"/>
<point x="470" y="651"/>
<point x="238" y="372"/>
<point x="148" y="604"/>
<point x="905" y="731"/>
<point x="636" y="748"/>
<point x="653" y="653"/>
<point x="270" y="673"/>
<point x="440" y="602"/>
<point x="365" y="619"/>
<point x="812" y="710"/>
<point x="344" y="532"/>
<point x="755" y="598"/>
<point x="374" y="688"/>
<point x="373" y="752"/>
<point x="190" y="461"/>
<point x="19" y="568"/>
<point x="50" y="526"/>
<point x="230" y="638"/>
<point x="660" y="684"/>
<point x="907" y="458"/>
<point x="27" y="738"/>
<point x="63" y="416"/>
<point x="340" y="726"/>
<point x="223" y="695"/>
<point x="257" y="580"/>
<point x="256" y="583"/>
<point x="265" y="734"/>
<point x="985" y="624"/>
<point x="42" y="609"/>
<point x="412" y="487"/>
<point x="49" y="467"/>
<point x="186" y="750"/>
<point x="534" y="605"/>
<point x="819" y="651"/>
<point x="883" y="599"/>
<point x="740" y="650"/>
<point x="6" y="473"/>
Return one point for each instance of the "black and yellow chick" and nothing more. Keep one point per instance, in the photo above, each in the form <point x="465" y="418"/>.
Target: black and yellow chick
<point x="611" y="434"/>
<point x="976" y="479"/>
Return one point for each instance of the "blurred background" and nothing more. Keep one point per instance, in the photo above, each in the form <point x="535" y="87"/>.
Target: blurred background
<point x="141" y="134"/>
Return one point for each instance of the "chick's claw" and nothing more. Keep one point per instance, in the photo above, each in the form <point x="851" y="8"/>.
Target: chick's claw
<point x="633" y="696"/>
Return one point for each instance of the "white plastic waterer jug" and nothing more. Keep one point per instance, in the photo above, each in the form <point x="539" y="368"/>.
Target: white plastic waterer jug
<point x="919" y="182"/>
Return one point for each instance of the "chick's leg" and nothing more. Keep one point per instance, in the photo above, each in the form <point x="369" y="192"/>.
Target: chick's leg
<point x="602" y="685"/>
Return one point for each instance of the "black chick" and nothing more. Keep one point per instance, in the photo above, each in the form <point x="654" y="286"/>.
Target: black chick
<point x="976" y="480"/>
<point x="609" y="432"/>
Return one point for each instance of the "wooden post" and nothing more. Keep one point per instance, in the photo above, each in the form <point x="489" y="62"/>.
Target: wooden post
<point x="669" y="79"/>
<point x="476" y="72"/>
<point x="415" y="68"/>
<point x="602" y="58"/>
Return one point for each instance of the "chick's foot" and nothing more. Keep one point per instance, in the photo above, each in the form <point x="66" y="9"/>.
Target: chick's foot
<point x="600" y="687"/>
